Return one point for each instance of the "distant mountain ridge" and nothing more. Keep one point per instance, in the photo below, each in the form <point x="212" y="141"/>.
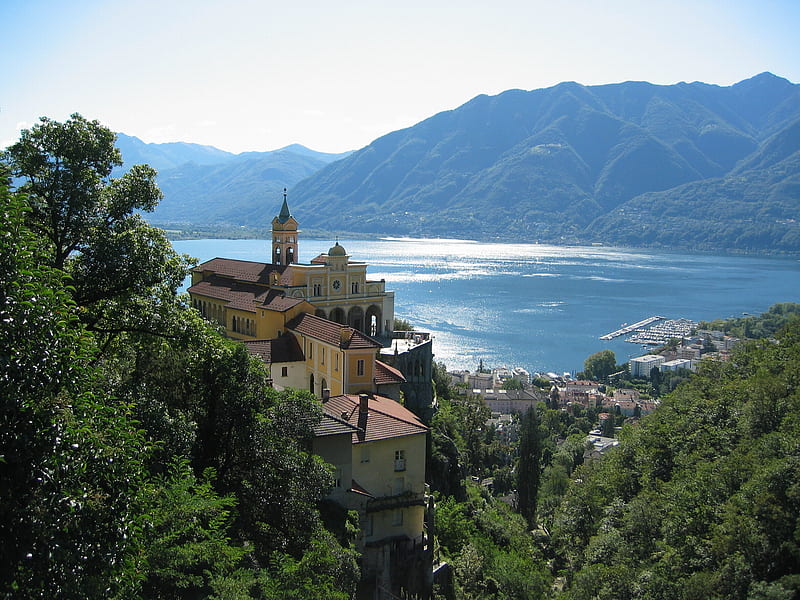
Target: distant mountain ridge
<point x="689" y="165"/>
<point x="686" y="165"/>
<point x="204" y="186"/>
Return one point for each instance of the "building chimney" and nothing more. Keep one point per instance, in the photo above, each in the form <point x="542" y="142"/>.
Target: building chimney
<point x="363" y="403"/>
<point x="326" y="394"/>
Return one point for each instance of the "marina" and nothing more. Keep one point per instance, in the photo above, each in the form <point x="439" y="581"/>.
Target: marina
<point x="629" y="328"/>
<point x="662" y="333"/>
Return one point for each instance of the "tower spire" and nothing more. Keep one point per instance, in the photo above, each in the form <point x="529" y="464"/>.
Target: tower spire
<point x="284" y="215"/>
<point x="284" y="236"/>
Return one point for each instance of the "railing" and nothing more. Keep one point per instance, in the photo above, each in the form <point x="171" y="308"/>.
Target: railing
<point x="400" y="500"/>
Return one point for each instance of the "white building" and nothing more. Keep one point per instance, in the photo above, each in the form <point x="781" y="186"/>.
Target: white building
<point x="678" y="363"/>
<point x="641" y="366"/>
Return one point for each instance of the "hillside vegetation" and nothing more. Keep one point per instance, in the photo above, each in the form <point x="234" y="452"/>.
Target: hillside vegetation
<point x="142" y="454"/>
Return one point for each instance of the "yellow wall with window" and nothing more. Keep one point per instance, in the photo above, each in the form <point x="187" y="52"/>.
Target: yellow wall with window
<point x="378" y="470"/>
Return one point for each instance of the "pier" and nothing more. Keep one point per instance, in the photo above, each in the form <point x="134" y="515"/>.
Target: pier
<point x="629" y="328"/>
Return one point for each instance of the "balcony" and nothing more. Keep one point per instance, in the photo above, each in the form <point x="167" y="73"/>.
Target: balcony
<point x="401" y="500"/>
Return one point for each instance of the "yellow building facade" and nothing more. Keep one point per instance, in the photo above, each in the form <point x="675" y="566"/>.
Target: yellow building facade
<point x="242" y="295"/>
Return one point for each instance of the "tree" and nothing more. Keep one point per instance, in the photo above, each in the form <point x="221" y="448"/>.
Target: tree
<point x="402" y="325"/>
<point x="600" y="365"/>
<point x="90" y="223"/>
<point x="512" y="383"/>
<point x="70" y="464"/>
<point x="529" y="468"/>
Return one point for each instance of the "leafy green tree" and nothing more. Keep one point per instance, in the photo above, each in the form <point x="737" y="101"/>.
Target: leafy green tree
<point x="67" y="172"/>
<point x="91" y="226"/>
<point x="490" y="548"/>
<point x="441" y="381"/>
<point x="70" y="464"/>
<point x="402" y="324"/>
<point x="183" y="548"/>
<point x="600" y="365"/>
<point x="512" y="383"/>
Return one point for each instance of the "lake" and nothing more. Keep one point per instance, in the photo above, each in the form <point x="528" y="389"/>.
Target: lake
<point x="543" y="307"/>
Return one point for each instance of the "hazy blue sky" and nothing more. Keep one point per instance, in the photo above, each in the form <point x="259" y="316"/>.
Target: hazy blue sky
<point x="260" y="74"/>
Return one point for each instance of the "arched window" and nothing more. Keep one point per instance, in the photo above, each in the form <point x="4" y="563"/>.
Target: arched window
<point x="373" y="325"/>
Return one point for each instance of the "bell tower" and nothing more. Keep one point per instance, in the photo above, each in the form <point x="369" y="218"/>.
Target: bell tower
<point x="284" y="236"/>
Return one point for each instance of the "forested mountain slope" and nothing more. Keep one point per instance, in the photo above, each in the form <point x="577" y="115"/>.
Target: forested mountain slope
<point x="702" y="500"/>
<point x="691" y="165"/>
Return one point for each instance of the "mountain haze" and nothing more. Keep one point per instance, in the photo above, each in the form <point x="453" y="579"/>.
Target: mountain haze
<point x="205" y="186"/>
<point x="691" y="165"/>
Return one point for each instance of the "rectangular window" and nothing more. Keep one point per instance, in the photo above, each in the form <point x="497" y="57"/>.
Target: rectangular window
<point x="338" y="482"/>
<point x="354" y="287"/>
<point x="310" y="350"/>
<point x="397" y="517"/>
<point x="365" y="454"/>
<point x="399" y="460"/>
<point x="284" y="371"/>
<point x="322" y="355"/>
<point x="335" y="361"/>
<point x="317" y="289"/>
<point x="360" y="368"/>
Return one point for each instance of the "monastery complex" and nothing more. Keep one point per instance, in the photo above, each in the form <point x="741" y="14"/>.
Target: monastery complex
<point x="326" y="328"/>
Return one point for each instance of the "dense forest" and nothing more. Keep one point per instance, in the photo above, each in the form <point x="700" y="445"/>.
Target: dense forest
<point x="144" y="455"/>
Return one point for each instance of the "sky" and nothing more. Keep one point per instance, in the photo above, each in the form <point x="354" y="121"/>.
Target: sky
<point x="245" y="75"/>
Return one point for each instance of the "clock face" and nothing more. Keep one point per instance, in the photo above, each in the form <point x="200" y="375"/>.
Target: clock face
<point x="337" y="284"/>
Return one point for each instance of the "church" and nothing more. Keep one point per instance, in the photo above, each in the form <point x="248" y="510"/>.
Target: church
<point x="322" y="326"/>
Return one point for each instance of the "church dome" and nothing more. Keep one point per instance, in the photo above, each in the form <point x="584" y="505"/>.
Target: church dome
<point x="337" y="250"/>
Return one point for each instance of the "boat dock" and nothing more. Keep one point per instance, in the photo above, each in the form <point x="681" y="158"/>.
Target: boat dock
<point x="629" y="328"/>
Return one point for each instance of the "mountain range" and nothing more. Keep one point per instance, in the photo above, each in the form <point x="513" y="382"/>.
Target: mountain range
<point x="689" y="165"/>
<point x="210" y="189"/>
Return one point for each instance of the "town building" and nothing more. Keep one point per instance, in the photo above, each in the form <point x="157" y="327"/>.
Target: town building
<point x="383" y="479"/>
<point x="678" y="363"/>
<point x="643" y="365"/>
<point x="512" y="401"/>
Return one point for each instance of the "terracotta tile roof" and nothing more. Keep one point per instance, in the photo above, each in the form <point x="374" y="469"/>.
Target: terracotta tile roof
<point x="333" y="425"/>
<point x="243" y="270"/>
<point x="330" y="332"/>
<point x="243" y="296"/>
<point x="280" y="303"/>
<point x="356" y="339"/>
<point x="279" y="350"/>
<point x="385" y="419"/>
<point x="387" y="374"/>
